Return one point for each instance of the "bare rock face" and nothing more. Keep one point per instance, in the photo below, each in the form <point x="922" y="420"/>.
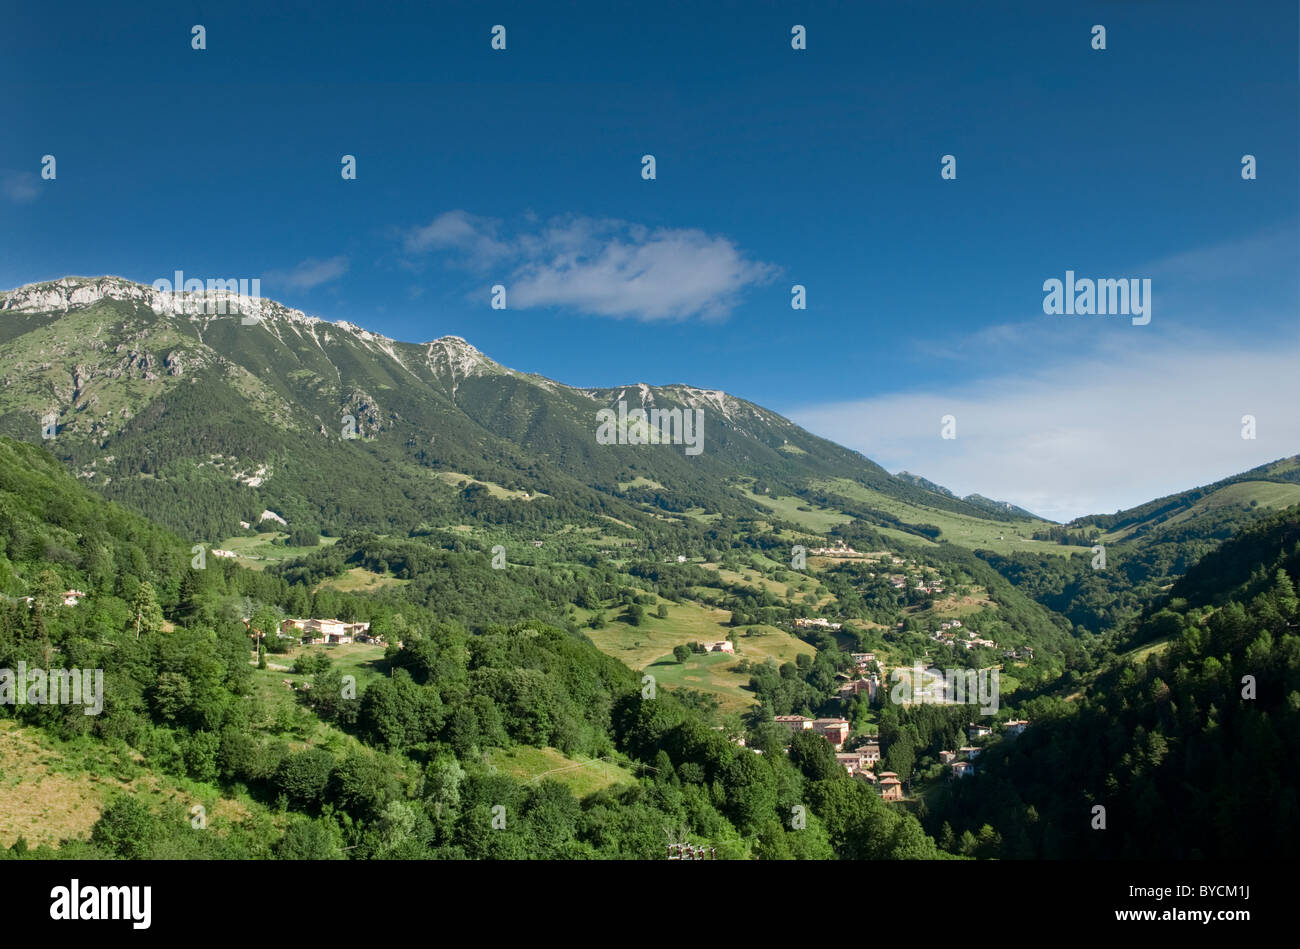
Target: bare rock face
<point x="363" y="407"/>
<point x="173" y="363"/>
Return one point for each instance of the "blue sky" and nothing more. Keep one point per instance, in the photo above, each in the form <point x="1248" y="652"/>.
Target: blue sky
<point x="774" y="167"/>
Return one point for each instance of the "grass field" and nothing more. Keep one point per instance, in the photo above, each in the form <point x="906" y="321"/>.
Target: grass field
<point x="707" y="672"/>
<point x="51" y="790"/>
<point x="582" y="775"/>
<point x="361" y="580"/>
<point x="649" y="648"/>
<point x="258" y="551"/>
<point x="454" y="478"/>
<point x="818" y="520"/>
<point x="972" y="532"/>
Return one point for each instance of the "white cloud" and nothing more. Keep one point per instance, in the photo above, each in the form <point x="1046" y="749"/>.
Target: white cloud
<point x="602" y="267"/>
<point x="309" y="273"/>
<point x="1088" y="437"/>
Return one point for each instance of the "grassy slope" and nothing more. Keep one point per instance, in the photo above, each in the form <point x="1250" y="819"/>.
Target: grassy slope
<point x="582" y="775"/>
<point x="52" y="790"/>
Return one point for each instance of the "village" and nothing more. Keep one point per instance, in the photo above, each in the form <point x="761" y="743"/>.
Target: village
<point x="862" y="762"/>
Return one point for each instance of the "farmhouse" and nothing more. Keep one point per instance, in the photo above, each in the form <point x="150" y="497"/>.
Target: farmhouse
<point x="722" y="645"/>
<point x="323" y="630"/>
<point x="817" y="621"/>
<point x="961" y="769"/>
<point x="891" y="789"/>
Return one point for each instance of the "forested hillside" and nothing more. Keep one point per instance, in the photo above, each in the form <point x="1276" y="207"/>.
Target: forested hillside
<point x="1188" y="741"/>
<point x="399" y="768"/>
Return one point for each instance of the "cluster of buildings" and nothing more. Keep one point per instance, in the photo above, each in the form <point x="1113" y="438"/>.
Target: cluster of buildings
<point x="327" y="631"/>
<point x="1023" y="652"/>
<point x="962" y="761"/>
<point x="947" y="635"/>
<point x="839" y="551"/>
<point x="860" y="759"/>
<point x="834" y="730"/>
<point x="866" y="680"/>
<point x="816" y="621"/>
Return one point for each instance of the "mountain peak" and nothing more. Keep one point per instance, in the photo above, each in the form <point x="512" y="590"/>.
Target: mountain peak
<point x="453" y="356"/>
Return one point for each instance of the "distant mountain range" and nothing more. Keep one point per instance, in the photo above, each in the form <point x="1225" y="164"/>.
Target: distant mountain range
<point x="975" y="500"/>
<point x="208" y="409"/>
<point x="147" y="396"/>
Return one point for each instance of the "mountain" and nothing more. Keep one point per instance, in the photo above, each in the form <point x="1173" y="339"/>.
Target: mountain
<point x="1146" y="548"/>
<point x="975" y="500"/>
<point x="204" y="419"/>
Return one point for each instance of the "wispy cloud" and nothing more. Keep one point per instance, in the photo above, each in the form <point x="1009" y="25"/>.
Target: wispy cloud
<point x="1089" y="436"/>
<point x="20" y="187"/>
<point x="1257" y="255"/>
<point x="599" y="266"/>
<point x="309" y="273"/>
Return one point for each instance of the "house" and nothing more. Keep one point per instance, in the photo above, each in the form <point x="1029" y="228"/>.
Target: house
<point x="834" y="730"/>
<point x="1015" y="726"/>
<point x="851" y="760"/>
<point x="961" y="769"/>
<point x="870" y="752"/>
<point x="978" y="731"/>
<point x="862" y="658"/>
<point x="947" y="757"/>
<point x="722" y="645"/>
<point x="858" y="686"/>
<point x="72" y="597"/>
<point x="864" y="775"/>
<point x="970" y="751"/>
<point x="537" y="543"/>
<point x="891" y="789"/>
<point x="681" y="558"/>
<point x="794" y="722"/>
<point x="217" y="552"/>
<point x="323" y="630"/>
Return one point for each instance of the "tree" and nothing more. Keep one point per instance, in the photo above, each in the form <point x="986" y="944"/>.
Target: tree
<point x="814" y="755"/>
<point x="146" y="614"/>
<point x="681" y="653"/>
<point x="127" y="829"/>
<point x="662" y="612"/>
